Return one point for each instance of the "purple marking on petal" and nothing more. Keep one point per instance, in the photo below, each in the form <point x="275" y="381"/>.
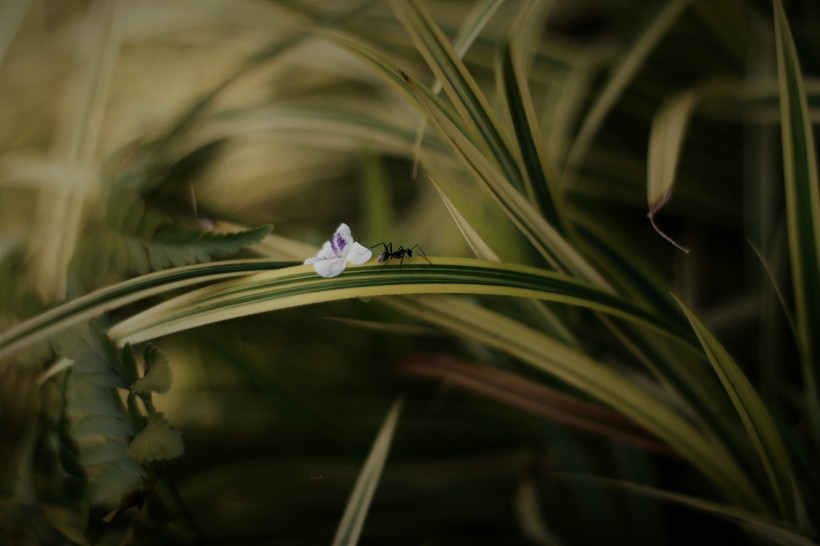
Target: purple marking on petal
<point x="338" y="244"/>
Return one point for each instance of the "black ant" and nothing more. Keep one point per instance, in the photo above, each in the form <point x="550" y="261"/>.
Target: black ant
<point x="399" y="254"/>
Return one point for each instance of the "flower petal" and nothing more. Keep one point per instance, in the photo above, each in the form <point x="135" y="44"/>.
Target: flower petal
<point x="341" y="240"/>
<point x="330" y="268"/>
<point x="327" y="252"/>
<point x="357" y="254"/>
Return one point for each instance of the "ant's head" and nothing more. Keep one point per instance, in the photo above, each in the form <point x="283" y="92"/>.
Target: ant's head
<point x="383" y="256"/>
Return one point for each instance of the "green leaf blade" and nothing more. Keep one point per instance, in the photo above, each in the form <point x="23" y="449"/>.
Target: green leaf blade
<point x="802" y="208"/>
<point x="623" y="74"/>
<point x="555" y="249"/>
<point x="352" y="522"/>
<point x="539" y="175"/>
<point x="301" y="286"/>
<point x="596" y="380"/>
<point x="756" y="419"/>
<point x="459" y="86"/>
<point x="56" y="320"/>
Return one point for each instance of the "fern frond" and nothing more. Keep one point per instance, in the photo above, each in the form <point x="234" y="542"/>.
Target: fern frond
<point x="98" y="420"/>
<point x="116" y="439"/>
<point x="178" y="246"/>
<point x="136" y="239"/>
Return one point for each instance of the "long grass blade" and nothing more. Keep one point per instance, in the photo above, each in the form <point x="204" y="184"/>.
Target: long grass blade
<point x="473" y="24"/>
<point x="95" y="304"/>
<point x="185" y="121"/>
<point x="480" y="248"/>
<point x="350" y="528"/>
<point x="476" y="20"/>
<point x="484" y="251"/>
<point x="540" y="178"/>
<point x="543" y="236"/>
<point x="348" y="127"/>
<point x="478" y="216"/>
<point x="724" y="99"/>
<point x="459" y="86"/>
<point x="758" y="423"/>
<point x="546" y="240"/>
<point x="594" y="379"/>
<point x="802" y="188"/>
<point x="622" y="76"/>
<point x="300" y="285"/>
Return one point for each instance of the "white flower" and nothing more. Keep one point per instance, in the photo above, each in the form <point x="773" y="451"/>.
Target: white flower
<point x="333" y="258"/>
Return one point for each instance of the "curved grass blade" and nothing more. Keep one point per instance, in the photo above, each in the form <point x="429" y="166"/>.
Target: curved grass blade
<point x="775" y="286"/>
<point x="300" y="285"/>
<point x="186" y="120"/>
<point x="621" y="77"/>
<point x="802" y="189"/>
<point x="724" y="99"/>
<point x="371" y="127"/>
<point x="540" y="179"/>
<point x="764" y="527"/>
<point x="665" y="144"/>
<point x="394" y="77"/>
<point x="528" y="512"/>
<point x="56" y="228"/>
<point x="756" y="419"/>
<point x="484" y="251"/>
<point x="532" y="397"/>
<point x="596" y="380"/>
<point x="543" y="236"/>
<point x="564" y="104"/>
<point x="350" y="528"/>
<point x="476" y="20"/>
<point x="468" y="100"/>
<point x="92" y="305"/>
<point x="483" y="223"/>
<point x="480" y="248"/>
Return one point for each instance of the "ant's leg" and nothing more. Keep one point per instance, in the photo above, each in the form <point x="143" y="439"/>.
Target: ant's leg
<point x="423" y="254"/>
<point x="382" y="244"/>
